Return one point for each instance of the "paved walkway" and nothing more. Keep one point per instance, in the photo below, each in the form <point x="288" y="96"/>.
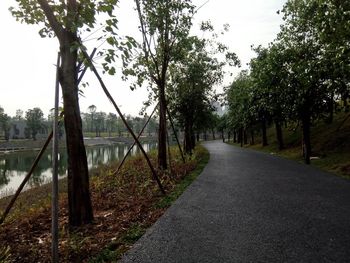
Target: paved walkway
<point x="249" y="206"/>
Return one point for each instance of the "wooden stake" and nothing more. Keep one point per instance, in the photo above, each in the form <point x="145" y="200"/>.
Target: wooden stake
<point x="132" y="146"/>
<point x="54" y="213"/>
<point x="177" y="139"/>
<point x="109" y="96"/>
<point x="26" y="178"/>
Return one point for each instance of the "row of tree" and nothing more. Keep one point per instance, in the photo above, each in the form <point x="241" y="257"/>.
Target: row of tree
<point x="93" y="122"/>
<point x="179" y="70"/>
<point x="303" y="76"/>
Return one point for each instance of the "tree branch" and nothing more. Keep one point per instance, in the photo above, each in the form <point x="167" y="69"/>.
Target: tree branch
<point x="55" y="25"/>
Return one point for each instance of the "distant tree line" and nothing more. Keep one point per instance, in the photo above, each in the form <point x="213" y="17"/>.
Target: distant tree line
<point x="95" y="123"/>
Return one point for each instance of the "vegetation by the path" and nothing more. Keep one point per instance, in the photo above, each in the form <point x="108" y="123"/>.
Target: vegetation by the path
<point x="331" y="142"/>
<point x="124" y="206"/>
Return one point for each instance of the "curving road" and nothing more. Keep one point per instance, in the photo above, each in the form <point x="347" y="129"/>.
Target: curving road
<point x="249" y="206"/>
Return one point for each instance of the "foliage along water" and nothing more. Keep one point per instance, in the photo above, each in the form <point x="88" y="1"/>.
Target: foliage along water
<point x="14" y="166"/>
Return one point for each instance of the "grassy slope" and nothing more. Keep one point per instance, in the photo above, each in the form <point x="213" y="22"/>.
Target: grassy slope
<point x="330" y="142"/>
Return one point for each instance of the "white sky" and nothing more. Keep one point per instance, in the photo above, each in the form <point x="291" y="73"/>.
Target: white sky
<point x="27" y="72"/>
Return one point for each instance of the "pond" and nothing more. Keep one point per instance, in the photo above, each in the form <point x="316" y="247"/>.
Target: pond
<point x="14" y="166"/>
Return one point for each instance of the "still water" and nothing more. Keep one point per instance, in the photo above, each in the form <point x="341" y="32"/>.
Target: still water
<point x="14" y="166"/>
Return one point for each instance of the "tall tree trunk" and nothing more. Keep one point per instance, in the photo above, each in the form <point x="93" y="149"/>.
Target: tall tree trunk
<point x="306" y="123"/>
<point x="197" y="136"/>
<point x="193" y="138"/>
<point x="234" y="136"/>
<point x="162" y="150"/>
<point x="279" y="135"/>
<point x="188" y="138"/>
<point x="80" y="208"/>
<point x="264" y="134"/>
<point x="229" y="136"/>
<point x="330" y="105"/>
<point x="241" y="136"/>
<point x="213" y="133"/>
<point x="245" y="137"/>
<point x="252" y="141"/>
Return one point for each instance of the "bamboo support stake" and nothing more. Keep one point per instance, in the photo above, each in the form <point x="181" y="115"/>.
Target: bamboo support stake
<point x="109" y="96"/>
<point x="169" y="154"/>
<point x="54" y="227"/>
<point x="132" y="146"/>
<point x="26" y="178"/>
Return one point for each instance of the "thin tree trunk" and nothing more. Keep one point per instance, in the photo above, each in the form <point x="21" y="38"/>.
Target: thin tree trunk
<point x="279" y="135"/>
<point x="241" y="136"/>
<point x="252" y="141"/>
<point x="187" y="139"/>
<point x="306" y="123"/>
<point x="330" y="104"/>
<point x="264" y="134"/>
<point x="162" y="149"/>
<point x="245" y="137"/>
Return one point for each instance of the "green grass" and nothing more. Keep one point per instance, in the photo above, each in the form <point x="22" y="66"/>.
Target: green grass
<point x="202" y="156"/>
<point x="330" y="143"/>
<point x="113" y="252"/>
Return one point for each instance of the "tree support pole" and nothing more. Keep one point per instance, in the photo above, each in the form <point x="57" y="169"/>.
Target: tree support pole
<point x="132" y="146"/>
<point x="85" y="68"/>
<point x="177" y="139"/>
<point x="169" y="154"/>
<point x="54" y="213"/>
<point x="26" y="178"/>
<point x="93" y="68"/>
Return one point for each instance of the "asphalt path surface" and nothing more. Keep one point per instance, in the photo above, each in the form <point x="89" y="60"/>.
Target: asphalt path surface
<point x="249" y="206"/>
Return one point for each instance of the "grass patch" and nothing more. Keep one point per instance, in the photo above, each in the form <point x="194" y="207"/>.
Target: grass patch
<point x="202" y="156"/>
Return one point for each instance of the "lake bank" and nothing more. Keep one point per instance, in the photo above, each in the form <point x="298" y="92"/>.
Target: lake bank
<point x="124" y="206"/>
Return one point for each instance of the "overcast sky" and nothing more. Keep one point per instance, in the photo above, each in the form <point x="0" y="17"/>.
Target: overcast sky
<point x="27" y="61"/>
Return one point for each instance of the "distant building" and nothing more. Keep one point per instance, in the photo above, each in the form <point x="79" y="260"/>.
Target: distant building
<point x="19" y="130"/>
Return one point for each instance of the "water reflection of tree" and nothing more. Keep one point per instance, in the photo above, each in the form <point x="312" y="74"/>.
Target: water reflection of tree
<point x="20" y="163"/>
<point x="4" y="179"/>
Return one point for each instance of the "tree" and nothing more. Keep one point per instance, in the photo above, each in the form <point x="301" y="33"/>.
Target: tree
<point x="19" y="114"/>
<point x="191" y="89"/>
<point x="164" y="26"/>
<point x="111" y="123"/>
<point x="66" y="20"/>
<point x="92" y="111"/>
<point x="5" y="123"/>
<point x="100" y="123"/>
<point x="34" y="121"/>
<point x="240" y="98"/>
<point x="307" y="74"/>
